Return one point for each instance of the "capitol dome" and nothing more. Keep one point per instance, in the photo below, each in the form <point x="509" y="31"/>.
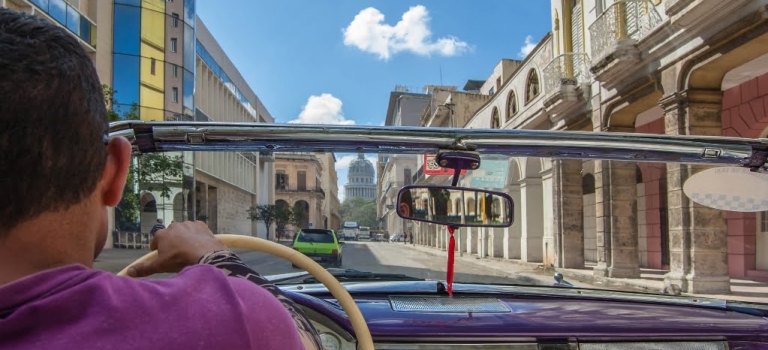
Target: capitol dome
<point x="361" y="179"/>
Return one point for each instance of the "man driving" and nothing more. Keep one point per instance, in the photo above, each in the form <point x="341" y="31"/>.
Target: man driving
<point x="59" y="176"/>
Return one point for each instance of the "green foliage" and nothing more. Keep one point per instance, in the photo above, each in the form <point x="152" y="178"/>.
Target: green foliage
<point x="110" y="101"/>
<point x="361" y="210"/>
<point x="283" y="217"/>
<point x="299" y="217"/>
<point x="147" y="172"/>
<point x="269" y="214"/>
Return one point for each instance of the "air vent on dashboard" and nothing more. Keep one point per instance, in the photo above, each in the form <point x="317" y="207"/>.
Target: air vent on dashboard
<point x="447" y="304"/>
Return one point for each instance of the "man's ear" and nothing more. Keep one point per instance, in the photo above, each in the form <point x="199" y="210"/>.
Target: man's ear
<point x="116" y="170"/>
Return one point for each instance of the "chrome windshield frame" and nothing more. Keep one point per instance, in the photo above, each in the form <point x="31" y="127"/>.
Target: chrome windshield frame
<point x="148" y="137"/>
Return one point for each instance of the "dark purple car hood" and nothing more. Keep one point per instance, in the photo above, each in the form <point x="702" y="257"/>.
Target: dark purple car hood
<point x="536" y="312"/>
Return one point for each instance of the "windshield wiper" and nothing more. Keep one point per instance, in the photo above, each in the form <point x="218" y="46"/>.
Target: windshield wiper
<point x="349" y="275"/>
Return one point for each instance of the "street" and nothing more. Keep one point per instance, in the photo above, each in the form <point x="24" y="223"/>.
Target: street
<point x="365" y="256"/>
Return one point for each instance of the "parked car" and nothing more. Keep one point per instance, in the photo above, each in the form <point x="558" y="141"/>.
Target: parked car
<point x="321" y="245"/>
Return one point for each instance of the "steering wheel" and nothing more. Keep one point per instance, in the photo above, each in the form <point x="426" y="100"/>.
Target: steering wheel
<point x="363" y="335"/>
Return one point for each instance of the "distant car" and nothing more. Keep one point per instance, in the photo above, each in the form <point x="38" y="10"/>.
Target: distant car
<point x="321" y="245"/>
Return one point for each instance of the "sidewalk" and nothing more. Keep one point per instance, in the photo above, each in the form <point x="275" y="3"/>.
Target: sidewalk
<point x="651" y="281"/>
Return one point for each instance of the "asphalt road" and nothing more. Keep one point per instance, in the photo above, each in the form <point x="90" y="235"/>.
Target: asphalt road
<point x="363" y="256"/>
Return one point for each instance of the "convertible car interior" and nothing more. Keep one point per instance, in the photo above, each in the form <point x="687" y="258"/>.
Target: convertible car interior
<point x="357" y="310"/>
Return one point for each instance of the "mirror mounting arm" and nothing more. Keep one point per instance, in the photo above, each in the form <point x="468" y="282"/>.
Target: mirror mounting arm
<point x="458" y="161"/>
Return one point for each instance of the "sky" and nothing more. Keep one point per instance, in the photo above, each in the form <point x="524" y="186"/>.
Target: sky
<point x="336" y="61"/>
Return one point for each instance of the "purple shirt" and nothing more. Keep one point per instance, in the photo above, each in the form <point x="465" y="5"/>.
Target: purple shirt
<point x="73" y="307"/>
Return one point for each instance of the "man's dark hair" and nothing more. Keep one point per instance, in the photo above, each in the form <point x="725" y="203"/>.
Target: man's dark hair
<point x="52" y="120"/>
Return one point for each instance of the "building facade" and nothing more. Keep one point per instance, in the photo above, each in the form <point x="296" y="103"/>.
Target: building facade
<point x="299" y="187"/>
<point x="672" y="67"/>
<point x="331" y="205"/>
<point x="159" y="67"/>
<point x="228" y="183"/>
<point x="396" y="170"/>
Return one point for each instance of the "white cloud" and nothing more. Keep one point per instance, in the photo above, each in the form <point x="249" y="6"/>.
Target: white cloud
<point x="323" y="109"/>
<point x="527" y="47"/>
<point x="369" y="33"/>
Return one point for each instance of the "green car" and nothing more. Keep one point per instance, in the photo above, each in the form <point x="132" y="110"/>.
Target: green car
<point x="320" y="245"/>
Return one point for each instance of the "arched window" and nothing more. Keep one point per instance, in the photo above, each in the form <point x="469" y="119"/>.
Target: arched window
<point x="495" y="123"/>
<point x="532" y="86"/>
<point x="511" y="105"/>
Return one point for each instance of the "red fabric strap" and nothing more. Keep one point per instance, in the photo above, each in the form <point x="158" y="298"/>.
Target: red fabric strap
<point x="451" y="251"/>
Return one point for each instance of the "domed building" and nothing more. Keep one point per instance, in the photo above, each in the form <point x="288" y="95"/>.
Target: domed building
<point x="361" y="181"/>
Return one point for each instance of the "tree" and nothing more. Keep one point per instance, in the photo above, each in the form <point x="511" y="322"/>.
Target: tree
<point x="265" y="213"/>
<point x="283" y="217"/>
<point x="147" y="172"/>
<point x="269" y="214"/>
<point x="361" y="210"/>
<point x="299" y="217"/>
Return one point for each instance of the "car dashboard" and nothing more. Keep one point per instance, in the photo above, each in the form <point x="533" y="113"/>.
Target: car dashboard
<point x="399" y="319"/>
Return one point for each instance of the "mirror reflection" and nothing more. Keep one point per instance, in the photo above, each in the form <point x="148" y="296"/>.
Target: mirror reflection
<point x="456" y="206"/>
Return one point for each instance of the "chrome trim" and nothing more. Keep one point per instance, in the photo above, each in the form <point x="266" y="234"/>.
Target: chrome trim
<point x="440" y="304"/>
<point x="326" y="322"/>
<point x="512" y="291"/>
<point x="174" y="136"/>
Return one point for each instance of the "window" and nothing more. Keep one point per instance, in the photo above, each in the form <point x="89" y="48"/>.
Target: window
<point x="152" y="65"/>
<point x="174" y="44"/>
<point x="491" y="91"/>
<point x="600" y="6"/>
<point x="175" y="95"/>
<point x="495" y="124"/>
<point x="511" y="105"/>
<point x="175" y="71"/>
<point x="764" y="221"/>
<point x="281" y="180"/>
<point x="315" y="236"/>
<point x="175" y="20"/>
<point x="301" y="178"/>
<point x="532" y="86"/>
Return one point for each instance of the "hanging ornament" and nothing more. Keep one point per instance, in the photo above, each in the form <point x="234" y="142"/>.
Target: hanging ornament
<point x="451" y="251"/>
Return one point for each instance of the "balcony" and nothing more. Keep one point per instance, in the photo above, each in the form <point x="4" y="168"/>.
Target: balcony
<point x="285" y="189"/>
<point x="691" y="13"/>
<point x="69" y="17"/>
<point x="615" y="35"/>
<point x="566" y="80"/>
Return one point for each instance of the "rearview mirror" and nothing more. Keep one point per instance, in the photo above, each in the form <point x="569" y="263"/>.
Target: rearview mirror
<point x="456" y="206"/>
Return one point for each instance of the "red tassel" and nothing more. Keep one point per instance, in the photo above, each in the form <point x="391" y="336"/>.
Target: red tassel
<point x="451" y="251"/>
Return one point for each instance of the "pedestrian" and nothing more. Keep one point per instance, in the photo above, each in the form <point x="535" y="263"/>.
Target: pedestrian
<point x="411" y="236"/>
<point x="158" y="226"/>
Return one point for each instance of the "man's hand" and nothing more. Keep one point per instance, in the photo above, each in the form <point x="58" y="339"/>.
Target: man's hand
<point x="178" y="246"/>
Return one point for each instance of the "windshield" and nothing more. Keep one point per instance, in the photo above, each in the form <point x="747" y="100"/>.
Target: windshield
<point x="592" y="67"/>
<point x="315" y="236"/>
